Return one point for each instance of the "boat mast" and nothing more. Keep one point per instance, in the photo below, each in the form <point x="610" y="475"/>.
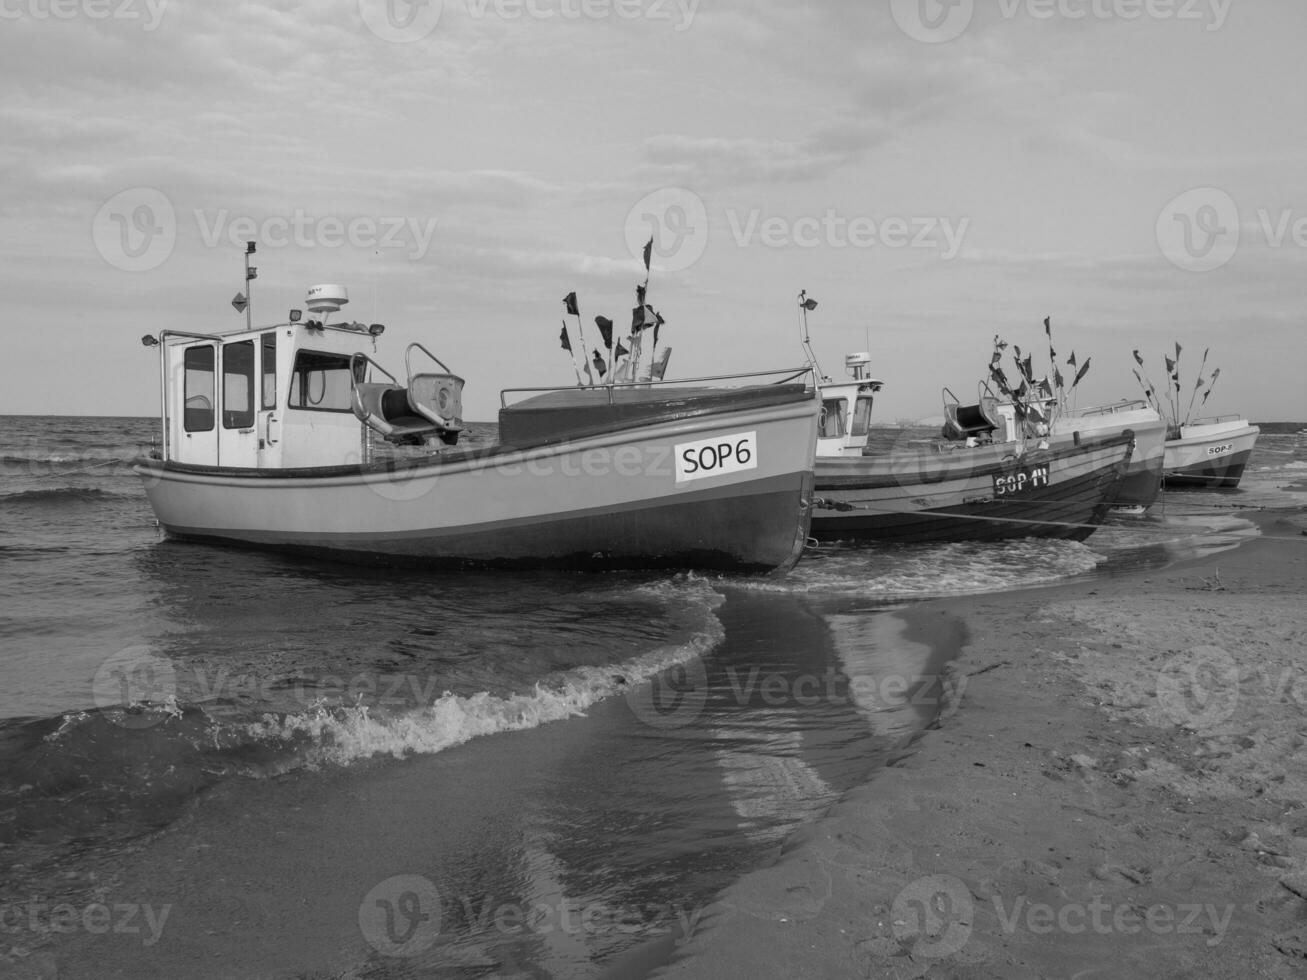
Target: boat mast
<point x="806" y="304"/>
<point x="251" y="273"/>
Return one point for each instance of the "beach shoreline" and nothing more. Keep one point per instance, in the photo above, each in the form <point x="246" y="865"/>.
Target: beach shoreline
<point x="1114" y="790"/>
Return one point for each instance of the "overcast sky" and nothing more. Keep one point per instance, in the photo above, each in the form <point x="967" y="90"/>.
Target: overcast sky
<point x="932" y="172"/>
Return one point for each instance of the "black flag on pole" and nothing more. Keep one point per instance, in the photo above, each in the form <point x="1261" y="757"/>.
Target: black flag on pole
<point x="562" y="337"/>
<point x="570" y="302"/>
<point x="605" y="326"/>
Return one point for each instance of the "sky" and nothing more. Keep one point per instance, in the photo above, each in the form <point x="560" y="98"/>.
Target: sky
<point x="933" y="172"/>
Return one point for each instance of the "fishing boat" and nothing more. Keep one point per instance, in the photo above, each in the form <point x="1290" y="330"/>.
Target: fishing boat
<point x="294" y="437"/>
<point x="968" y="485"/>
<point x="1209" y="453"/>
<point x="1205" y="453"/>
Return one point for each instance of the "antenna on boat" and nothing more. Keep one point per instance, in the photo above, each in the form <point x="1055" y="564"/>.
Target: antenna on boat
<point x="806" y="305"/>
<point x="251" y="273"/>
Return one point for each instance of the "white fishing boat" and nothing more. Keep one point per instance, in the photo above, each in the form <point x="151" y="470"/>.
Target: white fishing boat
<point x="283" y="437"/>
<point x="1209" y="453"/>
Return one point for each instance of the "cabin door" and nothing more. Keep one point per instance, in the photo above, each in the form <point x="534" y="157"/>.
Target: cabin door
<point x="268" y="420"/>
<point x="238" y="441"/>
<point x="192" y="399"/>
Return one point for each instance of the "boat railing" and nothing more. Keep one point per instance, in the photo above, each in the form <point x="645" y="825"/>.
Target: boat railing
<point x="1216" y="420"/>
<point x="354" y="373"/>
<point x="408" y="366"/>
<point x="786" y="375"/>
<point x="1124" y="405"/>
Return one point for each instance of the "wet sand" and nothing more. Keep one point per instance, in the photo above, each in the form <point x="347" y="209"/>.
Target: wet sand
<point x="1117" y="788"/>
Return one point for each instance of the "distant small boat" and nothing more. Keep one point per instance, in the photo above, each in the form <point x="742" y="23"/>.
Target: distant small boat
<point x="268" y="440"/>
<point x="1209" y="454"/>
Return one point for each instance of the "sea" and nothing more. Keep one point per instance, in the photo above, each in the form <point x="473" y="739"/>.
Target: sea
<point x="217" y="762"/>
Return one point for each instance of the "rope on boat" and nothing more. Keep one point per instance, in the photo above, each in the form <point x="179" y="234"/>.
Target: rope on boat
<point x="845" y="507"/>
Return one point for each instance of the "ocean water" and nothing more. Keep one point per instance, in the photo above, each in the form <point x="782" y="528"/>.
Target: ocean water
<point x="474" y="774"/>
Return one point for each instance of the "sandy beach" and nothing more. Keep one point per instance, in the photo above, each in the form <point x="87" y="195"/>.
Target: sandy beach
<point x="1115" y="788"/>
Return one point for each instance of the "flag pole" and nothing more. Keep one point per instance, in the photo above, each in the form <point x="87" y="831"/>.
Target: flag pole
<point x="637" y="336"/>
<point x="573" y="307"/>
<point x="1198" y="384"/>
<point x="567" y="346"/>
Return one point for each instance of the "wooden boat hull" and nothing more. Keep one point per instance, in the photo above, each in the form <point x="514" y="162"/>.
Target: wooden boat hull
<point x="630" y="498"/>
<point x="1211" y="456"/>
<point x="978" y="494"/>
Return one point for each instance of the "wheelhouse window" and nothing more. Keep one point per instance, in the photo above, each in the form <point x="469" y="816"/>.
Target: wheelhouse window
<point x="197" y="389"/>
<point x="832" y="418"/>
<point x="320" y="382"/>
<point x="861" y="416"/>
<point x="238" y="385"/>
<point x="268" y="370"/>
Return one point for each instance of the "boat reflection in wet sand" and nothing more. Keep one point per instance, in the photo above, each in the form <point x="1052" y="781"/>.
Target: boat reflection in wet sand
<point x="968" y="487"/>
<point x="270" y="438"/>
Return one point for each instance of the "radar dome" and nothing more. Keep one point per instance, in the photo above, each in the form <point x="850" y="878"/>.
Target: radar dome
<point x="326" y="298"/>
